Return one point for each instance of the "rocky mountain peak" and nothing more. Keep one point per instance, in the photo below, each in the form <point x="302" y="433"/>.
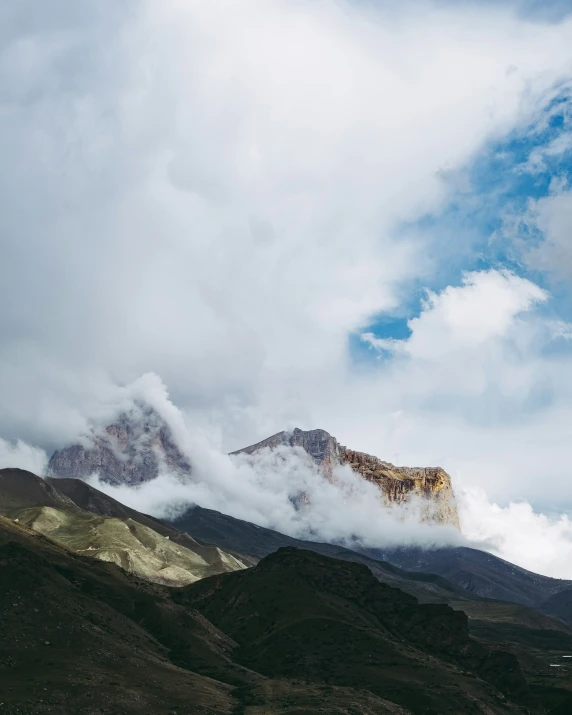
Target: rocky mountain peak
<point x="397" y="484"/>
<point x="134" y="449"/>
<point x="318" y="443"/>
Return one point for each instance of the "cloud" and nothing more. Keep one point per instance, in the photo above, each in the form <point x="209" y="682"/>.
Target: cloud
<point x="20" y="455"/>
<point x="199" y="201"/>
<point x="560" y="329"/>
<point x="266" y="490"/>
<point x="468" y="340"/>
<point x="535" y="541"/>
<point x="284" y="490"/>
<point x="465" y="317"/>
<point x="552" y="217"/>
<point x="350" y="513"/>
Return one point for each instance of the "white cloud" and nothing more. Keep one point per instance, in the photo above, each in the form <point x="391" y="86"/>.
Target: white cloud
<point x="214" y="207"/>
<point x="265" y="489"/>
<point x="535" y="541"/>
<point x="19" y="455"/>
<point x="350" y="513"/>
<point x="468" y="340"/>
<point x="559" y="146"/>
<point x="552" y="216"/>
<point x="465" y="317"/>
<point x="560" y="329"/>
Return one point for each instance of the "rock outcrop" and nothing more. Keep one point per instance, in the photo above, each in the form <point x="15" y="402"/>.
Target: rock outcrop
<point x="140" y="445"/>
<point x="397" y="484"/>
<point x="132" y="450"/>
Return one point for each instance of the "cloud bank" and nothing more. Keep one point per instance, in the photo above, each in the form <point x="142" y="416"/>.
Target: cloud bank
<point x="227" y="194"/>
<point x="184" y="194"/>
<point x="266" y="489"/>
<point x="539" y="542"/>
<point x="20" y="455"/>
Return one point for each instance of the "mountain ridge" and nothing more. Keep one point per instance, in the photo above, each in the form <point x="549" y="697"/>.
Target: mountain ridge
<point x="109" y="531"/>
<point x="140" y="445"/>
<point x="135" y="448"/>
<point x="396" y="484"/>
<point x="249" y="644"/>
<point x="84" y="636"/>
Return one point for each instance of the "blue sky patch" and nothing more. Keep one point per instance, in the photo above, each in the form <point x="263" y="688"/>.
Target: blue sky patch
<point x="482" y="227"/>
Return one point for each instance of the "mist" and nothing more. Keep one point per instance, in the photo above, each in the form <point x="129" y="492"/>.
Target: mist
<point x="283" y="489"/>
<point x="350" y="512"/>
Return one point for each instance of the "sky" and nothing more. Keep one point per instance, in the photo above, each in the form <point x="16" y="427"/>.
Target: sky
<point x="316" y="213"/>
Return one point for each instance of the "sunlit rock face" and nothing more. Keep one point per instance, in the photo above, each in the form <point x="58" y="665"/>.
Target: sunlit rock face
<point x="397" y="484"/>
<point x="132" y="450"/>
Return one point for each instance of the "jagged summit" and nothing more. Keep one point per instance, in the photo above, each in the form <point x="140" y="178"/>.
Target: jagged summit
<point x="397" y="484"/>
<point x="318" y="443"/>
<point x="134" y="449"/>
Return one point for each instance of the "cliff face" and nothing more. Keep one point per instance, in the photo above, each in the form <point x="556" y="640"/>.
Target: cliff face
<point x="397" y="484"/>
<point x="138" y="446"/>
<point x="131" y="451"/>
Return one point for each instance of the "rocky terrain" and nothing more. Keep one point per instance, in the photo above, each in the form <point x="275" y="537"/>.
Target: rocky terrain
<point x="397" y="484"/>
<point x="140" y="445"/>
<point x="134" y="449"/>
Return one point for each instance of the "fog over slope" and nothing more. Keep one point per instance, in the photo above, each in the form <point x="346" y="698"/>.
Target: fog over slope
<point x="262" y="488"/>
<point x="369" y="235"/>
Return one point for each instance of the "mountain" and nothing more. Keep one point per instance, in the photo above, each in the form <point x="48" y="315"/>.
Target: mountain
<point x="20" y="489"/>
<point x="248" y="540"/>
<point x="478" y="572"/>
<point x="538" y="638"/>
<point x="109" y="531"/>
<point x="90" y="499"/>
<point x="132" y="450"/>
<point x="397" y="484"/>
<point x="81" y="635"/>
<point x="298" y="614"/>
<point x="248" y="543"/>
<point x="559" y="605"/>
<point x="274" y="642"/>
<point x="140" y="445"/>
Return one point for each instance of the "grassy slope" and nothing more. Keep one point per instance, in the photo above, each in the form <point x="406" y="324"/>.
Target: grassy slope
<point x="128" y="544"/>
<point x="72" y="639"/>
<point x="135" y="542"/>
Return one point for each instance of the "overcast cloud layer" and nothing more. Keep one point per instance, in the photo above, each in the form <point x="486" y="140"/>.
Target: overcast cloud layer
<point x="231" y="195"/>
